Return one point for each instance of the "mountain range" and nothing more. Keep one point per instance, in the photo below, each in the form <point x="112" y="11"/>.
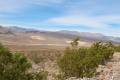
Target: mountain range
<point x="13" y="35"/>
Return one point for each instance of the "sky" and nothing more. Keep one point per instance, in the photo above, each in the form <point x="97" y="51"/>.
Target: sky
<point x="96" y="16"/>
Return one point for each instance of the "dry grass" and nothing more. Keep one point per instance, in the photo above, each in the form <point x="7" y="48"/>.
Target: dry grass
<point x="38" y="54"/>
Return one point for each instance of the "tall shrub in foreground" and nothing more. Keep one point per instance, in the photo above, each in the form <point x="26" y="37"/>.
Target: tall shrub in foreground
<point x="82" y="62"/>
<point x="15" y="67"/>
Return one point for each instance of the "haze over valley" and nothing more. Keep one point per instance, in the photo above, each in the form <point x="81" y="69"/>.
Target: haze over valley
<point x="23" y="36"/>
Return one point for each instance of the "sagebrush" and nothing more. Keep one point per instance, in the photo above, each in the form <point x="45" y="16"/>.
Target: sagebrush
<point x="82" y="62"/>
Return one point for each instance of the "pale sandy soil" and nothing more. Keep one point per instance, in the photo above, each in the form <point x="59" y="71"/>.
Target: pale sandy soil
<point x="38" y="38"/>
<point x="112" y="69"/>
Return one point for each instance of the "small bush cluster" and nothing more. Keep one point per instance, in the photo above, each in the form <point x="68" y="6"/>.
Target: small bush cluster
<point x="117" y="48"/>
<point x="82" y="62"/>
<point x="16" y="67"/>
<point x="42" y="56"/>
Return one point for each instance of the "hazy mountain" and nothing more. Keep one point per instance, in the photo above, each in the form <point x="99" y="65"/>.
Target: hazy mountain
<point x="32" y="36"/>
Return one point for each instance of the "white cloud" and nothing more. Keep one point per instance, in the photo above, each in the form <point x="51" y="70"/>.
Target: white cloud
<point x="99" y="21"/>
<point x="46" y="2"/>
<point x="11" y="5"/>
<point x="17" y="5"/>
<point x="109" y="19"/>
<point x="78" y="20"/>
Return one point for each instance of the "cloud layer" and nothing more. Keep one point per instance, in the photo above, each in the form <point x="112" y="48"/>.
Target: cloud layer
<point x="97" y="15"/>
<point x="16" y="5"/>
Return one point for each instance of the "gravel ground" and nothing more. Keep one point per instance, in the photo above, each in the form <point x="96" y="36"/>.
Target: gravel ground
<point x="112" y="69"/>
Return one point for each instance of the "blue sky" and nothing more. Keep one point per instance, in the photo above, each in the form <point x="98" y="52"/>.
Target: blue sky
<point x="97" y="16"/>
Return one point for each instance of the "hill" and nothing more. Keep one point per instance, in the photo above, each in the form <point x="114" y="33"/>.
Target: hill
<point x="21" y="36"/>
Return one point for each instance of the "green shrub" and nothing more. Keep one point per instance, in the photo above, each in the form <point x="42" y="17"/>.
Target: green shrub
<point x="36" y="57"/>
<point x="15" y="67"/>
<point x="59" y="76"/>
<point x="117" y="48"/>
<point x="40" y="75"/>
<point x="75" y="63"/>
<point x="101" y="52"/>
<point x="82" y="62"/>
<point x="75" y="42"/>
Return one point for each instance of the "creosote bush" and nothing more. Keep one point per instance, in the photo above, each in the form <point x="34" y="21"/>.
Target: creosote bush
<point x="15" y="67"/>
<point x="82" y="62"/>
<point x="117" y="48"/>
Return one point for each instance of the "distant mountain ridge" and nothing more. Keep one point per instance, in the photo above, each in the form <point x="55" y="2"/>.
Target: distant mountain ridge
<point x="63" y="34"/>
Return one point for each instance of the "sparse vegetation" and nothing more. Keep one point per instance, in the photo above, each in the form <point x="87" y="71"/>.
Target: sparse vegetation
<point x="41" y="56"/>
<point x="75" y="62"/>
<point x="82" y="62"/>
<point x="75" y="42"/>
<point x="16" y="67"/>
<point x="117" y="48"/>
<point x="36" y="57"/>
<point x="59" y="76"/>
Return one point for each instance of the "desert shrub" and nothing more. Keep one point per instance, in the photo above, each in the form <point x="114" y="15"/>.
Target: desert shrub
<point x="117" y="48"/>
<point x="40" y="75"/>
<point x="42" y="56"/>
<point x="75" y="42"/>
<point x="82" y="62"/>
<point x="36" y="57"/>
<point x="102" y="52"/>
<point x="15" y="67"/>
<point x="76" y="63"/>
<point x="59" y="76"/>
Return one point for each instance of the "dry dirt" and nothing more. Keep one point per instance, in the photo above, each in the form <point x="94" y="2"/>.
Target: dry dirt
<point x="111" y="71"/>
